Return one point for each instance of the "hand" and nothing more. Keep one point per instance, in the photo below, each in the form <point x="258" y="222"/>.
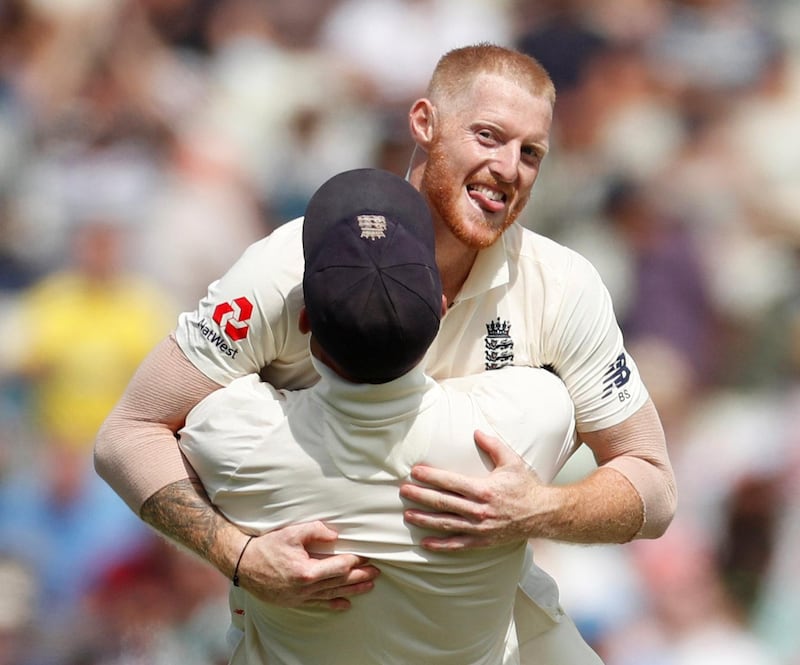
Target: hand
<point x="477" y="512"/>
<point x="277" y="568"/>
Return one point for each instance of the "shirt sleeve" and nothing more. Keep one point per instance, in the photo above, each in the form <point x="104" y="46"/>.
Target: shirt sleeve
<point x="586" y="350"/>
<point x="244" y="321"/>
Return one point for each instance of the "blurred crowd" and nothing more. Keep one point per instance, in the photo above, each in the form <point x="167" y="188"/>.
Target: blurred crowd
<point x="145" y="143"/>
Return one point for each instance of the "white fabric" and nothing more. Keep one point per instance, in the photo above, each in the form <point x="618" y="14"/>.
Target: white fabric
<point x="557" y="308"/>
<point x="337" y="452"/>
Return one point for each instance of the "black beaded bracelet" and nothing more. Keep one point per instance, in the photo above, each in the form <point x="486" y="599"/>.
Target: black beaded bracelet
<point x="241" y="554"/>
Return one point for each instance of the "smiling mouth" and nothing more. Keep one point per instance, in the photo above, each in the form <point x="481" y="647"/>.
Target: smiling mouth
<point x="487" y="198"/>
<point x="487" y="192"/>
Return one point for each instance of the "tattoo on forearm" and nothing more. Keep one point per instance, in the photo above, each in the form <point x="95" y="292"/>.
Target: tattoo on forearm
<point x="183" y="513"/>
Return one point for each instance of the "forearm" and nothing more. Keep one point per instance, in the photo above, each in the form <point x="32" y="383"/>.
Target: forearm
<point x="602" y="508"/>
<point x="183" y="513"/>
<point x="655" y="488"/>
<point x="631" y="494"/>
<point x="637" y="451"/>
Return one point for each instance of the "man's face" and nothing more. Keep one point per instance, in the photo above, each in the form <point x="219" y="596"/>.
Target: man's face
<point x="484" y="158"/>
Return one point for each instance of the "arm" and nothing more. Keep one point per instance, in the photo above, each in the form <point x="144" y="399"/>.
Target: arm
<point x="631" y="494"/>
<point x="136" y="453"/>
<point x="637" y="450"/>
<point x="275" y="567"/>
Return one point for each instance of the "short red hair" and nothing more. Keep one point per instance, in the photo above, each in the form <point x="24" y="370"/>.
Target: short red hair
<point x="458" y="68"/>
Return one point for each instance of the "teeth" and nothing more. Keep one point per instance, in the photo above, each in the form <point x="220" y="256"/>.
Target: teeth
<point x="488" y="192"/>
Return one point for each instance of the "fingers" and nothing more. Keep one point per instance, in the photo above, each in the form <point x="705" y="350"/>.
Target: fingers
<point x="340" y="592"/>
<point x="341" y="569"/>
<point x="333" y="593"/>
<point x="472" y="488"/>
<point x="355" y="559"/>
<point x="498" y="451"/>
<point x="447" y="523"/>
<point x="309" y="532"/>
<point x="465" y="503"/>
<point x="338" y="598"/>
<point x="439" y="479"/>
<point x="335" y="604"/>
<point x="280" y="569"/>
<point x="454" y="543"/>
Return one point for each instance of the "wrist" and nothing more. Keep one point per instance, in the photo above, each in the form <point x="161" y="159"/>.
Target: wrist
<point x="230" y="546"/>
<point x="235" y="576"/>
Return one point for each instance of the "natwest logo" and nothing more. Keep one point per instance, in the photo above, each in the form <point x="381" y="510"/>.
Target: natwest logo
<point x="234" y="315"/>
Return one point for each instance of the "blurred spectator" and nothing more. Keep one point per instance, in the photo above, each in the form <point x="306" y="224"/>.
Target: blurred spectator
<point x="180" y="24"/>
<point x="707" y="48"/>
<point x="65" y="527"/>
<point x="558" y="34"/>
<point x="765" y="137"/>
<point x="202" y="215"/>
<point x="15" y="272"/>
<point x="82" y="331"/>
<point x="159" y="606"/>
<point x="776" y="614"/>
<point x="669" y="300"/>
<point x="393" y="45"/>
<point x="747" y="542"/>
<point x="17" y="610"/>
<point x="281" y="115"/>
<point x="693" y="620"/>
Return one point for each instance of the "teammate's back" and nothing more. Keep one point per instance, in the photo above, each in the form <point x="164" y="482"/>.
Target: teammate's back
<point x="338" y="453"/>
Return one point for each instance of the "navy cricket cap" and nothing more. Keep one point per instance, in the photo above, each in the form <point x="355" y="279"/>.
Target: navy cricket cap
<point x="372" y="289"/>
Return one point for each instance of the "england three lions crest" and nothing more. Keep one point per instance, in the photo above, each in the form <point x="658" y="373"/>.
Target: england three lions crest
<point x="498" y="345"/>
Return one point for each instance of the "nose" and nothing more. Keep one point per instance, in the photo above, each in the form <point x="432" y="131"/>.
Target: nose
<point x="505" y="165"/>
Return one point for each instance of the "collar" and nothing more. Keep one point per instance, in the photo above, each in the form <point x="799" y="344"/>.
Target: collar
<point x="373" y="432"/>
<point x="372" y="403"/>
<point x="489" y="271"/>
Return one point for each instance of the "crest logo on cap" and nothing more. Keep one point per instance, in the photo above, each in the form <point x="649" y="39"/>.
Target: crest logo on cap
<point x="498" y="345"/>
<point x="373" y="227"/>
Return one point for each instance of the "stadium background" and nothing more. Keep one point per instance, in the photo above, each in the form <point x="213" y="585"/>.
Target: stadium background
<point x="145" y="143"/>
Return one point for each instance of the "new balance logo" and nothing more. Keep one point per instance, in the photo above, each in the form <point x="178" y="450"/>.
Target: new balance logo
<point x="616" y="376"/>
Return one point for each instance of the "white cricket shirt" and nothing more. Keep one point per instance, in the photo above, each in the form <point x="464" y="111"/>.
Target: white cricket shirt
<point x="337" y="453"/>
<point x="528" y="301"/>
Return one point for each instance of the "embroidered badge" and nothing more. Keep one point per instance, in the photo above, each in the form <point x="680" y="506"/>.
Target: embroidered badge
<point x="373" y="227"/>
<point x="498" y="345"/>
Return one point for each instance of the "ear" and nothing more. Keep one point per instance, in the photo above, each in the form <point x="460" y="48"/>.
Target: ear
<point x="302" y="322"/>
<point x="421" y="120"/>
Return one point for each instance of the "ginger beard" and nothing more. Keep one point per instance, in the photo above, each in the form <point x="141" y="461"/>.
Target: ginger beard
<point x="472" y="226"/>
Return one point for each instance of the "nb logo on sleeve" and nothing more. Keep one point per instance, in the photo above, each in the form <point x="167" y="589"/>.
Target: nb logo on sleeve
<point x="616" y="376"/>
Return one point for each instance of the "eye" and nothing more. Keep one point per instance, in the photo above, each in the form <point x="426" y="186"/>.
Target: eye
<point x="532" y="153"/>
<point x="486" y="136"/>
